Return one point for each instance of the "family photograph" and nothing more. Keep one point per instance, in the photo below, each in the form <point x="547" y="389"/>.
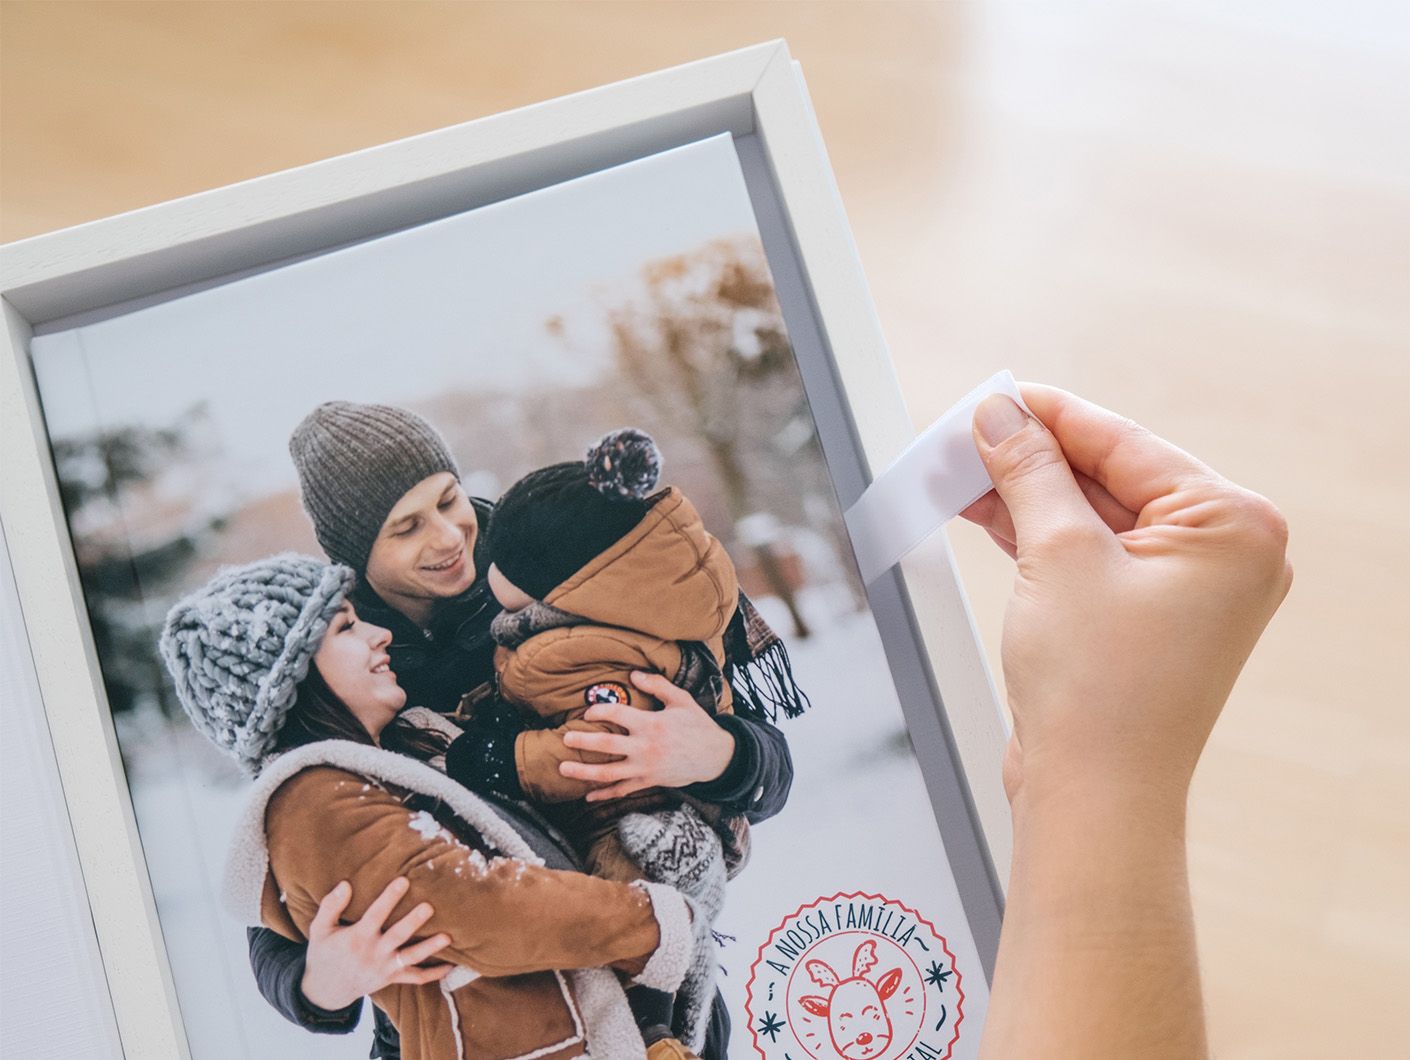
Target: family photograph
<point x="483" y="641"/>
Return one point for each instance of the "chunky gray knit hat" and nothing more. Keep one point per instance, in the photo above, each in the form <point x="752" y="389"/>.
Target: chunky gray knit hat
<point x="355" y="462"/>
<point x="238" y="648"/>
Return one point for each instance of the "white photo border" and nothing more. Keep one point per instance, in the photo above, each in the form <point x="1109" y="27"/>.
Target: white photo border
<point x="114" y="265"/>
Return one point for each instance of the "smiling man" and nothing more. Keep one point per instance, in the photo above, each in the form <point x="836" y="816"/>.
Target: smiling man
<point x="383" y="492"/>
<point x="384" y="495"/>
<point x="412" y="571"/>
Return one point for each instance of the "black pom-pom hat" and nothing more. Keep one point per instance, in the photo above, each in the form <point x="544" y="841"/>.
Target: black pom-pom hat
<point x="554" y="521"/>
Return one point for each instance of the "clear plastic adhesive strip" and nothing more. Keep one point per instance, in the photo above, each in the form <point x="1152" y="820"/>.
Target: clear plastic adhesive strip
<point x="937" y="477"/>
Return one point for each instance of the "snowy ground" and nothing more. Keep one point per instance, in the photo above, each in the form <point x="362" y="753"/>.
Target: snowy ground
<point x="858" y="819"/>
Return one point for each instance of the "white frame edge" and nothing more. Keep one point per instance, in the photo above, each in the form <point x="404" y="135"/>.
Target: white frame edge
<point x="843" y="304"/>
<point x="316" y="207"/>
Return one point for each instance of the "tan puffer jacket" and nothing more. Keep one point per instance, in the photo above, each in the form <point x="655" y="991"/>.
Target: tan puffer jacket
<point x="668" y="580"/>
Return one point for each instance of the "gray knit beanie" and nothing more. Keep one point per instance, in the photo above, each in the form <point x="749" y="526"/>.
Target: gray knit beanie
<point x="355" y="462"/>
<point x="238" y="648"/>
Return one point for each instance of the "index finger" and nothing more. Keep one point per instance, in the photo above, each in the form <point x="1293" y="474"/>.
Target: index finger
<point x="657" y="685"/>
<point x="1134" y="465"/>
<point x="382" y="906"/>
<point x="993" y="514"/>
<point x="622" y="715"/>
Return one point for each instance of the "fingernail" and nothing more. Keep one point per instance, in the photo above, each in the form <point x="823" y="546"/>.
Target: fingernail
<point x="997" y="418"/>
<point x="342" y="888"/>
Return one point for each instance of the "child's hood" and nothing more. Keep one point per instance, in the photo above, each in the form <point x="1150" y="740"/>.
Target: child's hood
<point x="668" y="577"/>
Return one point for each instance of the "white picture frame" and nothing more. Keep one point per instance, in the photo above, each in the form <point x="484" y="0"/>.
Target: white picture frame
<point x="758" y="96"/>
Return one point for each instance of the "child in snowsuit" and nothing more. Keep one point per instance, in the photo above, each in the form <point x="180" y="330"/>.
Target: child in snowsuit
<point x="600" y="575"/>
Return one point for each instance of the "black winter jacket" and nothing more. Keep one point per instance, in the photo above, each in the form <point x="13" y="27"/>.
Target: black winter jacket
<point x="439" y="667"/>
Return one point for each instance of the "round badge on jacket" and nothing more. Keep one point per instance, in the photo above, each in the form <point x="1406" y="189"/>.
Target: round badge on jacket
<point x="607" y="692"/>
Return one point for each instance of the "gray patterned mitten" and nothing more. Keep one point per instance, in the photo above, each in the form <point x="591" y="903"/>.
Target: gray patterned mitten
<point x="677" y="848"/>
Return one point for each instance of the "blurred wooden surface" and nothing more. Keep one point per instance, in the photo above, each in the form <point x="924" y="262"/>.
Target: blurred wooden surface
<point x="1197" y="216"/>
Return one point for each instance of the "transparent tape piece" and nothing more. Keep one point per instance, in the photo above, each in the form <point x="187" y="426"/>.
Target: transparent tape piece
<point x="937" y="477"/>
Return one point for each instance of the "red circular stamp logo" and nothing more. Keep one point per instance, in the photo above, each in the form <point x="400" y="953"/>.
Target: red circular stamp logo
<point x="854" y="977"/>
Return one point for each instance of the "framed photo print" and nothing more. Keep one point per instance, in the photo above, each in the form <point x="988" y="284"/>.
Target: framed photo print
<point x="347" y="508"/>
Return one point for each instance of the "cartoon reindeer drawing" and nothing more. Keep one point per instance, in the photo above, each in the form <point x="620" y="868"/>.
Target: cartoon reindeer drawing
<point x="855" y="1008"/>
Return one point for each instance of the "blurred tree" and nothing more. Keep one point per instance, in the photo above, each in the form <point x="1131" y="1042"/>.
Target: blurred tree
<point x="704" y="346"/>
<point x="123" y="574"/>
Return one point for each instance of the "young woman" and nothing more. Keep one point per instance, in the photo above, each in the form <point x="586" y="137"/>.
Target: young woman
<point x="274" y="666"/>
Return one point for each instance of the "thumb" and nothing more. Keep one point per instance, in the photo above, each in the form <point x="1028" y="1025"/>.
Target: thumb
<point x="1029" y="472"/>
<point x="329" y="910"/>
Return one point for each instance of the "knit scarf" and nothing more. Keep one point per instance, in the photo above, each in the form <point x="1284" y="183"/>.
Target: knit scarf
<point x="758" y="669"/>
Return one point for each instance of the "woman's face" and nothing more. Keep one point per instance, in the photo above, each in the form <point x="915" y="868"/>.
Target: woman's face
<point x="354" y="663"/>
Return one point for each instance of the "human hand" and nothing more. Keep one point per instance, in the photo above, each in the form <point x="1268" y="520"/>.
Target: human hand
<point x="346" y="962"/>
<point x="1143" y="581"/>
<point x="678" y="745"/>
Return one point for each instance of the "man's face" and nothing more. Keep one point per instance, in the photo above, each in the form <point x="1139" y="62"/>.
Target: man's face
<point x="425" y="550"/>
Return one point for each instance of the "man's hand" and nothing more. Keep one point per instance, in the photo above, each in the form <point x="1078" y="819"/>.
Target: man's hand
<point x="678" y="745"/>
<point x="346" y="962"/>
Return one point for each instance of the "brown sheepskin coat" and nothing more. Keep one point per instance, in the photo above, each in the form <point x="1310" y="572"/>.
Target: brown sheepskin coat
<point x="538" y="952"/>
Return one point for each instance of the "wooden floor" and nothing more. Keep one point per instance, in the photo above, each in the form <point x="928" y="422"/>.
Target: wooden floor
<point x="1198" y="217"/>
